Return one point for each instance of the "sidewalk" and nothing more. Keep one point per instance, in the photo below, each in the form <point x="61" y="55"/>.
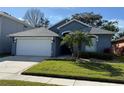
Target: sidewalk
<point x="57" y="81"/>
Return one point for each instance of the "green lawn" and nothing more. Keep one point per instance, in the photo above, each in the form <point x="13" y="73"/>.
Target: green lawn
<point x="112" y="72"/>
<point x="21" y="83"/>
<point x="119" y="59"/>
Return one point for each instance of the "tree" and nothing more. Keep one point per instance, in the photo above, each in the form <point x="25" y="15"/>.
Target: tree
<point x="89" y="18"/>
<point x="35" y="18"/>
<point x="75" y="40"/>
<point x="96" y="20"/>
<point x="110" y="25"/>
<point x="80" y="38"/>
<point x="68" y="39"/>
<point x="118" y="35"/>
<point x="121" y="34"/>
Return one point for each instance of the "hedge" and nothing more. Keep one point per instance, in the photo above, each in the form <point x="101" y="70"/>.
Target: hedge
<point x="103" y="56"/>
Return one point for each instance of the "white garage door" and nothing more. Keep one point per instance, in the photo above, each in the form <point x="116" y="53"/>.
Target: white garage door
<point x="93" y="47"/>
<point x="34" y="47"/>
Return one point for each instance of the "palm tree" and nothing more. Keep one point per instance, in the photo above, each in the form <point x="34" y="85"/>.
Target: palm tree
<point x="68" y="39"/>
<point x="75" y="40"/>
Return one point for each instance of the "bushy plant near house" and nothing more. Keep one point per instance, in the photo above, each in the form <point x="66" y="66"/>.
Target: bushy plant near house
<point x="121" y="51"/>
<point x="75" y="40"/>
<point x="108" y="50"/>
<point x="119" y="58"/>
<point x="96" y="55"/>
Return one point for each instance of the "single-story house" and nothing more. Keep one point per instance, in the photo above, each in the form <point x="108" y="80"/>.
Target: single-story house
<point x="46" y="42"/>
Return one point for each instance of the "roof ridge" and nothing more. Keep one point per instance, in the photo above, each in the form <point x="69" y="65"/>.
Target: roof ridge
<point x="35" y="32"/>
<point x="72" y="21"/>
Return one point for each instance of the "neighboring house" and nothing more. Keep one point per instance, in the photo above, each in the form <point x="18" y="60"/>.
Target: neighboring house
<point x="9" y="25"/>
<point x="44" y="42"/>
<point x="118" y="46"/>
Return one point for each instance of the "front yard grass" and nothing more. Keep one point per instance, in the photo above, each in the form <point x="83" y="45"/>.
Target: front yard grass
<point x="21" y="83"/>
<point x="109" y="72"/>
<point x="119" y="59"/>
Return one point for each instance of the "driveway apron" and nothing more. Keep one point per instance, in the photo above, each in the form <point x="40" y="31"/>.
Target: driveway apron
<point x="17" y="64"/>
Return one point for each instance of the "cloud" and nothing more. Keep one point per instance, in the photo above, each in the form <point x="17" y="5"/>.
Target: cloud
<point x="21" y="19"/>
<point x="120" y="22"/>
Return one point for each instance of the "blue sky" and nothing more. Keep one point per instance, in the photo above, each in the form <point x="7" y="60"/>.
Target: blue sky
<point x="57" y="14"/>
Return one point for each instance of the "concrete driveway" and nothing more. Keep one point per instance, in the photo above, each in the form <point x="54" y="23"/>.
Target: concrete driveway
<point x="17" y="64"/>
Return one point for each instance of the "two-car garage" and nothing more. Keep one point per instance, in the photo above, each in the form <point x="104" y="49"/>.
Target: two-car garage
<point x="36" y="42"/>
<point x="37" y="47"/>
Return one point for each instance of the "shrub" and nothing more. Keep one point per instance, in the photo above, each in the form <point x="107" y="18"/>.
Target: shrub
<point x="103" y="56"/>
<point x="107" y="50"/>
<point x="121" y="51"/>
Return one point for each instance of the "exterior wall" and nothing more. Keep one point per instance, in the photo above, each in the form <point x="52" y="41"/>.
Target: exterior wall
<point x="104" y="41"/>
<point x="13" y="49"/>
<point x="92" y="48"/>
<point x="56" y="46"/>
<point x="70" y="27"/>
<point x="9" y="26"/>
<point x="0" y="35"/>
<point x="73" y="27"/>
<point x="54" y="28"/>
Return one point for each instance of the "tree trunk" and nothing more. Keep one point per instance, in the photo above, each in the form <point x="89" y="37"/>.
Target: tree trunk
<point x="78" y="51"/>
<point x="71" y="48"/>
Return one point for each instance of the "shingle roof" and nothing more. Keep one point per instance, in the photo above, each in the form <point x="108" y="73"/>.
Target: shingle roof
<point x="35" y="32"/>
<point x="100" y="31"/>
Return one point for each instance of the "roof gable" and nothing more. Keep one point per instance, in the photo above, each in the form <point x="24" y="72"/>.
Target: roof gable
<point x="71" y="21"/>
<point x="93" y="30"/>
<point x="59" y="23"/>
